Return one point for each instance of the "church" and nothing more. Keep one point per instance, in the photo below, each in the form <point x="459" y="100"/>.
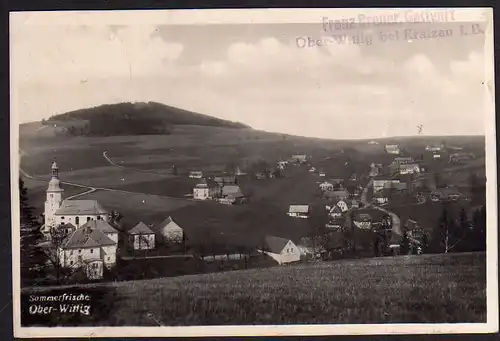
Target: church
<point x="73" y="212"/>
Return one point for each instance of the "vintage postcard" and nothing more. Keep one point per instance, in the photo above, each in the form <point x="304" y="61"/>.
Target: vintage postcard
<point x="253" y="172"/>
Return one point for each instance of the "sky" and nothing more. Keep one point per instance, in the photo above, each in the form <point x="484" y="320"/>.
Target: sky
<point x="259" y="74"/>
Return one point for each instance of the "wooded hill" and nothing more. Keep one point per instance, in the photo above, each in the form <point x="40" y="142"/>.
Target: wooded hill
<point x="132" y="119"/>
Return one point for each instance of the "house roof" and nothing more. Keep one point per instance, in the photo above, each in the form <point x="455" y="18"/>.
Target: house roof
<point x="140" y="228"/>
<point x="326" y="183"/>
<point x="299" y="209"/>
<point x="335" y="208"/>
<point x="170" y="223"/>
<point x="232" y="190"/>
<point x="80" y="207"/>
<point x="275" y="244"/>
<point x="86" y="238"/>
<point x="363" y="217"/>
<point x="100" y="225"/>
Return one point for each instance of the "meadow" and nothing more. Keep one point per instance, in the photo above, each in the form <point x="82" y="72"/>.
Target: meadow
<point x="409" y="289"/>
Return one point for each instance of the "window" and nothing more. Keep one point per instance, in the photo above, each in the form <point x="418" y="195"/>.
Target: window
<point x="77" y="220"/>
<point x="99" y="217"/>
<point x="91" y="250"/>
<point x="88" y="218"/>
<point x="62" y="218"/>
<point x="71" y="253"/>
<point x="52" y="195"/>
<point x="71" y="263"/>
<point x="80" y="251"/>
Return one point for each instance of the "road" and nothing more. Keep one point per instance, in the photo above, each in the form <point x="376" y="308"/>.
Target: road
<point x="157" y="257"/>
<point x="91" y="189"/>
<point x="396" y="222"/>
<point x="113" y="163"/>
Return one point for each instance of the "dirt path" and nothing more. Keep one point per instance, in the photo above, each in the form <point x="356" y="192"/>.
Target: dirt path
<point x="113" y="163"/>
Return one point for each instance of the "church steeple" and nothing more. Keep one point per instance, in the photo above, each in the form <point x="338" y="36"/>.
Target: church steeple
<point x="54" y="183"/>
<point x="55" y="170"/>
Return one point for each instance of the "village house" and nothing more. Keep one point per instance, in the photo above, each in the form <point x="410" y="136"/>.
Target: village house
<point x="413" y="230"/>
<point x="225" y="180"/>
<point x="431" y="148"/>
<point x="336" y="224"/>
<point x="381" y="182"/>
<point x="169" y="232"/>
<point x="104" y="227"/>
<point x="141" y="237"/>
<point x="196" y="174"/>
<point x="336" y="181"/>
<point x="372" y="142"/>
<point x="343" y="205"/>
<point x="260" y="175"/>
<point x="446" y="194"/>
<point x="206" y="189"/>
<point x="363" y="221"/>
<point x="59" y="212"/>
<point x="282" y="250"/>
<point x="322" y="174"/>
<point x="409" y="168"/>
<point x="380" y="197"/>
<point x="436" y="156"/>
<point x="354" y="203"/>
<point x="326" y="186"/>
<point x="337" y="195"/>
<point x="312" y="170"/>
<point x="460" y="157"/>
<point x="299" y="211"/>
<point x="232" y="193"/>
<point x="88" y="249"/>
<point x="299" y="158"/>
<point x="392" y="149"/>
<point x="335" y="212"/>
<point x="401" y="160"/>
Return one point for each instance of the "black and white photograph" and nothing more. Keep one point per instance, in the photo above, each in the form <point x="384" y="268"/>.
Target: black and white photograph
<point x="253" y="172"/>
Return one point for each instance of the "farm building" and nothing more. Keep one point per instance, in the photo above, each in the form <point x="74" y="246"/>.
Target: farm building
<point x="225" y="180"/>
<point x="75" y="212"/>
<point x="206" y="190"/>
<point x="380" y="197"/>
<point x="392" y="149"/>
<point x="282" y="250"/>
<point x="299" y="158"/>
<point x="232" y="193"/>
<point x="104" y="227"/>
<point x="169" y="232"/>
<point x="363" y="221"/>
<point x="402" y="160"/>
<point x="89" y="249"/>
<point x="141" y="237"/>
<point x="196" y="174"/>
<point x="299" y="211"/>
<point x="409" y="168"/>
<point x="326" y="186"/>
<point x="447" y="193"/>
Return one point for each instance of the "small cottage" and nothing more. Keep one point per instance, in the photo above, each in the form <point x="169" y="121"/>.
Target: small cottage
<point x="335" y="212"/>
<point x="282" y="250"/>
<point x="141" y="237"/>
<point x="196" y="174"/>
<point x="363" y="221"/>
<point x="169" y="232"/>
<point x="343" y="205"/>
<point x="326" y="186"/>
<point x="299" y="211"/>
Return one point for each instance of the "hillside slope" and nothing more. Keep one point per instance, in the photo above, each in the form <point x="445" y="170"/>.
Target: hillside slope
<point x="133" y="118"/>
<point x="408" y="289"/>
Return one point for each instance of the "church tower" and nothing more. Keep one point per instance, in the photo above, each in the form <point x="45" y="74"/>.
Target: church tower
<point x="54" y="198"/>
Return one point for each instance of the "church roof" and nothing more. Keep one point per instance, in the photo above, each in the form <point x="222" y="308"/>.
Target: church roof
<point x="54" y="186"/>
<point x="86" y="238"/>
<point x="80" y="207"/>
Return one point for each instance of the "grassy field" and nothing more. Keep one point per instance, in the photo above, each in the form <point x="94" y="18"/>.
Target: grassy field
<point x="411" y="289"/>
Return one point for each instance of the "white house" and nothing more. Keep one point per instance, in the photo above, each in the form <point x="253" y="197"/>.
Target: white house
<point x="141" y="237"/>
<point x="196" y="174"/>
<point x="433" y="148"/>
<point x="312" y="170"/>
<point x="206" y="190"/>
<point x="326" y="186"/>
<point x="343" y="205"/>
<point x="392" y="149"/>
<point x="409" y="168"/>
<point x="282" y="250"/>
<point x="383" y="182"/>
<point x="335" y="212"/>
<point x="299" y="211"/>
<point x="436" y="156"/>
<point x="169" y="231"/>
<point x="60" y="212"/>
<point x="104" y="227"/>
<point x="89" y="249"/>
<point x="322" y="174"/>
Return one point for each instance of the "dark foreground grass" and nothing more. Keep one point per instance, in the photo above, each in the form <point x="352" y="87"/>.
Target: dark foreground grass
<point x="410" y="289"/>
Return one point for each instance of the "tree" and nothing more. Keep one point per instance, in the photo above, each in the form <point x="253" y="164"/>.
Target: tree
<point x="33" y="258"/>
<point x="54" y="251"/>
<point x="449" y="234"/>
<point x="406" y="245"/>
